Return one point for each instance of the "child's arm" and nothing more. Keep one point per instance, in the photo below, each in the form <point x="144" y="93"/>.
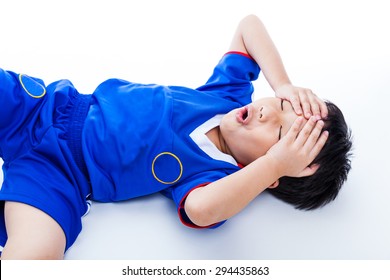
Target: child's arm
<point x="252" y="38"/>
<point x="291" y="156"/>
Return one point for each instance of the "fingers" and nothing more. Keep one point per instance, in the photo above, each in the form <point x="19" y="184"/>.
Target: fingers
<point x="294" y="130"/>
<point x="299" y="147"/>
<point x="304" y="101"/>
<point x="319" y="145"/>
<point x="310" y="132"/>
<point x="307" y="135"/>
<point x="311" y="139"/>
<point x="296" y="104"/>
<point x="307" y="132"/>
<point x="314" y="109"/>
<point x="318" y="107"/>
<point x="309" y="170"/>
<point x="312" y="105"/>
<point x="323" y="109"/>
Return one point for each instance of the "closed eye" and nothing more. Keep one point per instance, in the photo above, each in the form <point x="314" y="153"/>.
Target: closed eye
<point x="280" y="129"/>
<point x="280" y="133"/>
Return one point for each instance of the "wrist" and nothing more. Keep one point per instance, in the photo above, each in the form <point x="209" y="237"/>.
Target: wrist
<point x="282" y="86"/>
<point x="276" y="166"/>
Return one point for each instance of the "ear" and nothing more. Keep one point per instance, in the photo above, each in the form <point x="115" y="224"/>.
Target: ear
<point x="274" y="184"/>
<point x="310" y="170"/>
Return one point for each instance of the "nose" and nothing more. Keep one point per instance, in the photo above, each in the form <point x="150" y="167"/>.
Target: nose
<point x="268" y="114"/>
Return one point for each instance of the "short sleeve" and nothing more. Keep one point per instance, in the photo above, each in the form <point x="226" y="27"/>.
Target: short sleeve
<point x="180" y="193"/>
<point x="232" y="77"/>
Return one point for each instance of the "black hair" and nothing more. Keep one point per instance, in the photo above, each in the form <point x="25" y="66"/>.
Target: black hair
<point x="308" y="193"/>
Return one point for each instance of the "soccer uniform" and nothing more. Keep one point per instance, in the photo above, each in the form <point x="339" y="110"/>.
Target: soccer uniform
<point x="125" y="140"/>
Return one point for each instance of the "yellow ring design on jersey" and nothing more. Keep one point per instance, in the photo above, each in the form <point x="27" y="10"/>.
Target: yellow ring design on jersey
<point x="178" y="160"/>
<point x="26" y="90"/>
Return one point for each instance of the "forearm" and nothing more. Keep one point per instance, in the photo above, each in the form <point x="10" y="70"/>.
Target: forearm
<point x="290" y="156"/>
<point x="252" y="37"/>
<point x="226" y="197"/>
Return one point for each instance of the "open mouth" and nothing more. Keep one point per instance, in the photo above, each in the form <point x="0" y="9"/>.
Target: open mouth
<point x="243" y="115"/>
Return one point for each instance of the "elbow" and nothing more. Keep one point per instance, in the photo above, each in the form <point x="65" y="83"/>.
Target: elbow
<point x="199" y="213"/>
<point x="251" y="20"/>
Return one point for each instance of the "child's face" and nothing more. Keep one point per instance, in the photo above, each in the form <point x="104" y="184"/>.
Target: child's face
<point x="252" y="130"/>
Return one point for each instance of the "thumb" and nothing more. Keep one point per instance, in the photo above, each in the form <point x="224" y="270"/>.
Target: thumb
<point x="274" y="184"/>
<point x="309" y="170"/>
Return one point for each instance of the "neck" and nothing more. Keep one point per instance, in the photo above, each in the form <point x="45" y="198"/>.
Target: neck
<point x="216" y="137"/>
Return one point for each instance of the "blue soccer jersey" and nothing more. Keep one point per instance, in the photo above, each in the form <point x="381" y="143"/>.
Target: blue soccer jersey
<point x="136" y="138"/>
<point x="125" y="140"/>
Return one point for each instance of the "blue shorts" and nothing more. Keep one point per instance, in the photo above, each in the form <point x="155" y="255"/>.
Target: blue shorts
<point x="40" y="143"/>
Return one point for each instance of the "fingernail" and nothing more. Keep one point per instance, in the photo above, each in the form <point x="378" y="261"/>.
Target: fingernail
<point x="326" y="133"/>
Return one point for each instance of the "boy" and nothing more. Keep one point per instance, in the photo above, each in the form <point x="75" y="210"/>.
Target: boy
<point x="209" y="149"/>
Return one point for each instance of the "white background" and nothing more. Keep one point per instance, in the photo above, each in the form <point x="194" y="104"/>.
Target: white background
<point x="340" y="49"/>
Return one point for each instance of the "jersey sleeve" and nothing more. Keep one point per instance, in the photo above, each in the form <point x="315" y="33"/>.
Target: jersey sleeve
<point x="180" y="193"/>
<point x="232" y="77"/>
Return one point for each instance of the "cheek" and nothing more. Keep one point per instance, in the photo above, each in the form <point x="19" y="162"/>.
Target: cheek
<point x="263" y="143"/>
<point x="229" y="123"/>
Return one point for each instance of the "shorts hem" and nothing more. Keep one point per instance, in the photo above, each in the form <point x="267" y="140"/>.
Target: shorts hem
<point x="53" y="213"/>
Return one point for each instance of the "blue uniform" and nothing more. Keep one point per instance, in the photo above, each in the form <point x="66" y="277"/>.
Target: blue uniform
<point x="125" y="140"/>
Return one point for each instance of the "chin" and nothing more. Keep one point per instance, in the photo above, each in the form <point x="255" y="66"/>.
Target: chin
<point x="243" y="159"/>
